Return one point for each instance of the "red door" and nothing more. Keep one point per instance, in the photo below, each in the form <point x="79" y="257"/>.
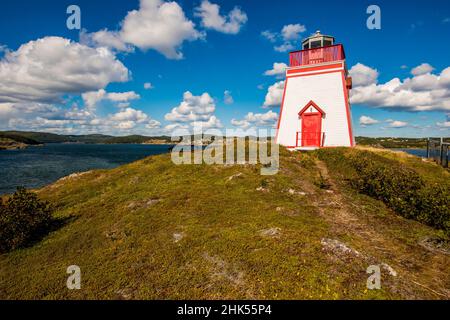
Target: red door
<point x="311" y="129"/>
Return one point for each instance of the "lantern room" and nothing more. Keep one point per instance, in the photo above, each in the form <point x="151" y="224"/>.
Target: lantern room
<point x="317" y="40"/>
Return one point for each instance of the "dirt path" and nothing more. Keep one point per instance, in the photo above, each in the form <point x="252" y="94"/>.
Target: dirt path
<point x="412" y="264"/>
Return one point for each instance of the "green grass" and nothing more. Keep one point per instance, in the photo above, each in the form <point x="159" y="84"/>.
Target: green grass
<point x="126" y="247"/>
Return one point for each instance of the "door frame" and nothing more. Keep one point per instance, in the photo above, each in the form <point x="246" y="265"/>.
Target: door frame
<point x="302" y="114"/>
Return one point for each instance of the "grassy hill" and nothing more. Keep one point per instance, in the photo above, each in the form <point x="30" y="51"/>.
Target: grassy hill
<point x="155" y="230"/>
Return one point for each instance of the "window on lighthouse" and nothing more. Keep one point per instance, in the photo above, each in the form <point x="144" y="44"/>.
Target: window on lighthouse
<point x="316" y="44"/>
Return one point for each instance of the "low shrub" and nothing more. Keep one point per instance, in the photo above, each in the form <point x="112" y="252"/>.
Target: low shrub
<point x="400" y="187"/>
<point x="23" y="219"/>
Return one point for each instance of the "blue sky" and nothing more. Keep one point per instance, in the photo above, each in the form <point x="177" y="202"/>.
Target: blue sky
<point x="222" y="51"/>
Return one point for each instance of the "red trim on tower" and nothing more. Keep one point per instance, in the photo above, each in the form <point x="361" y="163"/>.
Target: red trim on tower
<point x="324" y="67"/>
<point x="309" y="104"/>
<point x="313" y="74"/>
<point x="281" y="110"/>
<point x="347" y="105"/>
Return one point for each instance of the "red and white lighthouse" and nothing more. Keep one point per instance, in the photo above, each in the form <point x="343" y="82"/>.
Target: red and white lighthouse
<point x="315" y="109"/>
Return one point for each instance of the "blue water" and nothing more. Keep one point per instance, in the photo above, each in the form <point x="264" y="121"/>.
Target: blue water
<point x="415" y="152"/>
<point x="37" y="166"/>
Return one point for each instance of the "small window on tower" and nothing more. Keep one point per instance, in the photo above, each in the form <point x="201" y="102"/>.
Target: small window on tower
<point x="327" y="43"/>
<point x="315" y="44"/>
<point x="306" y="45"/>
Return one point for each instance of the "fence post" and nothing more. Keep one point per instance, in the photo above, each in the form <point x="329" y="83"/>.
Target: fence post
<point x="445" y="163"/>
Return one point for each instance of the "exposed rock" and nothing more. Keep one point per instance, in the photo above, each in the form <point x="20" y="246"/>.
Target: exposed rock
<point x="262" y="189"/>
<point x="294" y="192"/>
<point x="222" y="270"/>
<point x="125" y="294"/>
<point x="142" y="204"/>
<point x="436" y="245"/>
<point x="115" y="234"/>
<point x="178" y="236"/>
<point x="151" y="202"/>
<point x="271" y="232"/>
<point x="338" y="247"/>
<point x="234" y="176"/>
<point x="389" y="269"/>
<point x="74" y="175"/>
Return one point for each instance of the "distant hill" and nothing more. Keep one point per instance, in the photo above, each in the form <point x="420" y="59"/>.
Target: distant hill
<point x="45" y="137"/>
<point x="33" y="138"/>
<point x="389" y="142"/>
<point x="18" y="138"/>
<point x="137" y="139"/>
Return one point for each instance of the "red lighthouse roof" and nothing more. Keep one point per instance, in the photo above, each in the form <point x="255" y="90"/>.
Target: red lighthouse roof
<point x="317" y="48"/>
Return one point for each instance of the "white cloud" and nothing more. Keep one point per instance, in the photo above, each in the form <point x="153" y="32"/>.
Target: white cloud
<point x="262" y="118"/>
<point x="422" y="69"/>
<point x="269" y="35"/>
<point x="49" y="118"/>
<point x="192" y="108"/>
<point x="244" y="124"/>
<point x="211" y="18"/>
<point x="286" y="38"/>
<point x="367" y="121"/>
<point x="256" y="119"/>
<point x="363" y="75"/>
<point x="193" y="111"/>
<point x="3" y="48"/>
<point x="274" y="95"/>
<point x="104" y="38"/>
<point x="292" y="31"/>
<point x="397" y="123"/>
<point x="423" y="92"/>
<point x="153" y="124"/>
<point x="227" y="97"/>
<point x="46" y="69"/>
<point x="157" y="25"/>
<point x="93" y="97"/>
<point x="129" y="118"/>
<point x="123" y="104"/>
<point x="130" y="114"/>
<point x="212" y="122"/>
<point x="148" y="86"/>
<point x="172" y="126"/>
<point x="122" y="96"/>
<point x="278" y="70"/>
<point x="285" y="47"/>
<point x="445" y="124"/>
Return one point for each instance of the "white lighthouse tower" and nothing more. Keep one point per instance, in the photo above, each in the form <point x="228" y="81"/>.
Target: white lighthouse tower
<point x="315" y="109"/>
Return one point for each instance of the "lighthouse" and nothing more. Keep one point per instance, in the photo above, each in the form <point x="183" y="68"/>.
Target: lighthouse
<point x="315" y="109"/>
